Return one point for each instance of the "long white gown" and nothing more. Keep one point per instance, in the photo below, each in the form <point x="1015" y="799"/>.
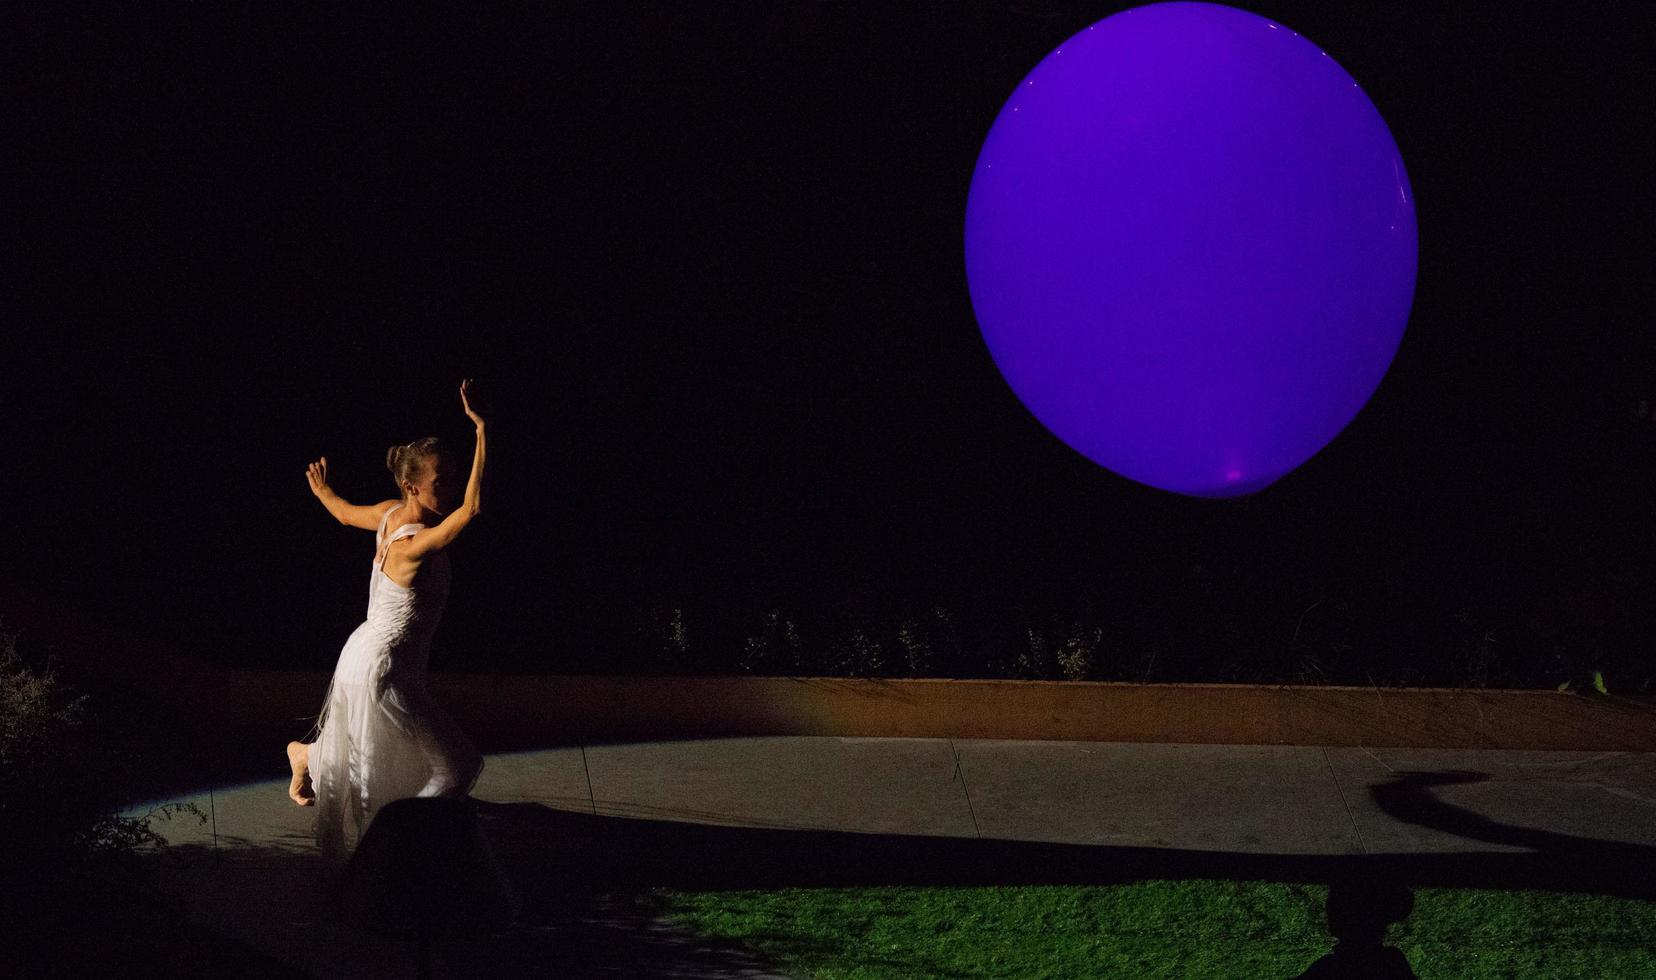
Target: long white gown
<point x="381" y="737"/>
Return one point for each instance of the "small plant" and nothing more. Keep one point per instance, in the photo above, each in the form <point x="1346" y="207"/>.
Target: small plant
<point x="1149" y="665"/>
<point x="948" y="639"/>
<point x="678" y="636"/>
<point x="915" y="646"/>
<point x="776" y="645"/>
<point x="665" y="636"/>
<point x="1310" y="670"/>
<point x="1076" y="655"/>
<point x="859" y="655"/>
<point x="1479" y="659"/>
<point x="870" y="657"/>
<point x="796" y="649"/>
<point x="756" y="651"/>
<point x="1035" y="661"/>
<point x="1597" y="685"/>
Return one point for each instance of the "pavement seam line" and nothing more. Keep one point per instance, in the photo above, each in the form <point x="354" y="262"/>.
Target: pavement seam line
<point x="1376" y="758"/>
<point x="1350" y="817"/>
<point x="964" y="792"/>
<point x="587" y="771"/>
<point x="212" y="807"/>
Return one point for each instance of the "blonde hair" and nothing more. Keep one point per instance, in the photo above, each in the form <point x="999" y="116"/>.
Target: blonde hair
<point x="408" y="461"/>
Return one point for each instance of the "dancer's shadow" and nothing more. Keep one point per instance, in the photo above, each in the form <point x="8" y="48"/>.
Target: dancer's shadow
<point x="643" y="851"/>
<point x="1360" y="907"/>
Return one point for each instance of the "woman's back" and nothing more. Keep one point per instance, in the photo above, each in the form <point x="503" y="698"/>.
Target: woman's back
<point x="404" y="615"/>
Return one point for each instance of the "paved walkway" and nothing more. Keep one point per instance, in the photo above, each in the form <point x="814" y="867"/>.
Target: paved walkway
<point x="581" y="829"/>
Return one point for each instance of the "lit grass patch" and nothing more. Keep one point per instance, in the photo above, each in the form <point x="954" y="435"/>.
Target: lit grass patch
<point x="1153" y="928"/>
<point x="1480" y="933"/>
<point x="1160" y="929"/>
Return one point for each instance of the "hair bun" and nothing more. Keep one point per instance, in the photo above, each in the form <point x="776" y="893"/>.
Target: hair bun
<point x="409" y="461"/>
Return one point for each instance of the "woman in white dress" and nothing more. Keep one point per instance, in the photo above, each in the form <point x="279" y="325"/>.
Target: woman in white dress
<point x="380" y="736"/>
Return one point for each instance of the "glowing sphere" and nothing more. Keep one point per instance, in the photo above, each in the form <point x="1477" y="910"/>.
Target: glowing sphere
<point x="1190" y="247"/>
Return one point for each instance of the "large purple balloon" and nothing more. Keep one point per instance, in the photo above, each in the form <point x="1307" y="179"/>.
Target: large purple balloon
<point x="1190" y="245"/>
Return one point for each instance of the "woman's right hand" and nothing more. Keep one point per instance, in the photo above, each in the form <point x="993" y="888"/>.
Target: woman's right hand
<point x="317" y="473"/>
<point x="467" y="388"/>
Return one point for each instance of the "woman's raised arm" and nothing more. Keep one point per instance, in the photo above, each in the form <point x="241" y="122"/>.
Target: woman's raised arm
<point x="436" y="539"/>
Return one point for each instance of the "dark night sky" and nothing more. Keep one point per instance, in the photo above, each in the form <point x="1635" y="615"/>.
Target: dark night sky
<point x="705" y="261"/>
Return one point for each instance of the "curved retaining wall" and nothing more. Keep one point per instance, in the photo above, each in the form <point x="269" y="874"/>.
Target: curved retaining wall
<point x="530" y="708"/>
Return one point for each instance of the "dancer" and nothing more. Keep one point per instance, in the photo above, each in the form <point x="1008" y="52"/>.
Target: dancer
<point x="379" y="735"/>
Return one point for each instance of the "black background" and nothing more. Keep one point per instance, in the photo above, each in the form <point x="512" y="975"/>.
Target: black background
<point x="705" y="261"/>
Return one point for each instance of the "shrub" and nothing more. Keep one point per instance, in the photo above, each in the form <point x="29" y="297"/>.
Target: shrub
<point x="62" y="785"/>
<point x="855" y="654"/>
<point x="776" y="646"/>
<point x="916" y="647"/>
<point x="1078" y="653"/>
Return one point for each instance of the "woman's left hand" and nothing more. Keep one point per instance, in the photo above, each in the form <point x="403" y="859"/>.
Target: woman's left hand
<point x="466" y="387"/>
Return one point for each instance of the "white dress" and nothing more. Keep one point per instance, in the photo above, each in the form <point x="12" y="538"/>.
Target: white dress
<point x="381" y="737"/>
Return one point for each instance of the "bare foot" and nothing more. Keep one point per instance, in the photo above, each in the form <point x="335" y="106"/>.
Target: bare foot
<point x="300" y="790"/>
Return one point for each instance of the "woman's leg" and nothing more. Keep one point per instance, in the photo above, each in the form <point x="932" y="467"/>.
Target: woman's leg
<point x="453" y="759"/>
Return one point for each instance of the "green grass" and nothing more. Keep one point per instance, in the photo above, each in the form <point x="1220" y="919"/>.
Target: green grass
<point x="1246" y="930"/>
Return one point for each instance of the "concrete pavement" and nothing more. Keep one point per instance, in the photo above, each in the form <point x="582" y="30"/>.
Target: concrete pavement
<point x="580" y="829"/>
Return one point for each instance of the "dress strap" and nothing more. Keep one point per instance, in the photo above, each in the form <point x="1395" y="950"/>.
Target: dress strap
<point x="379" y="536"/>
